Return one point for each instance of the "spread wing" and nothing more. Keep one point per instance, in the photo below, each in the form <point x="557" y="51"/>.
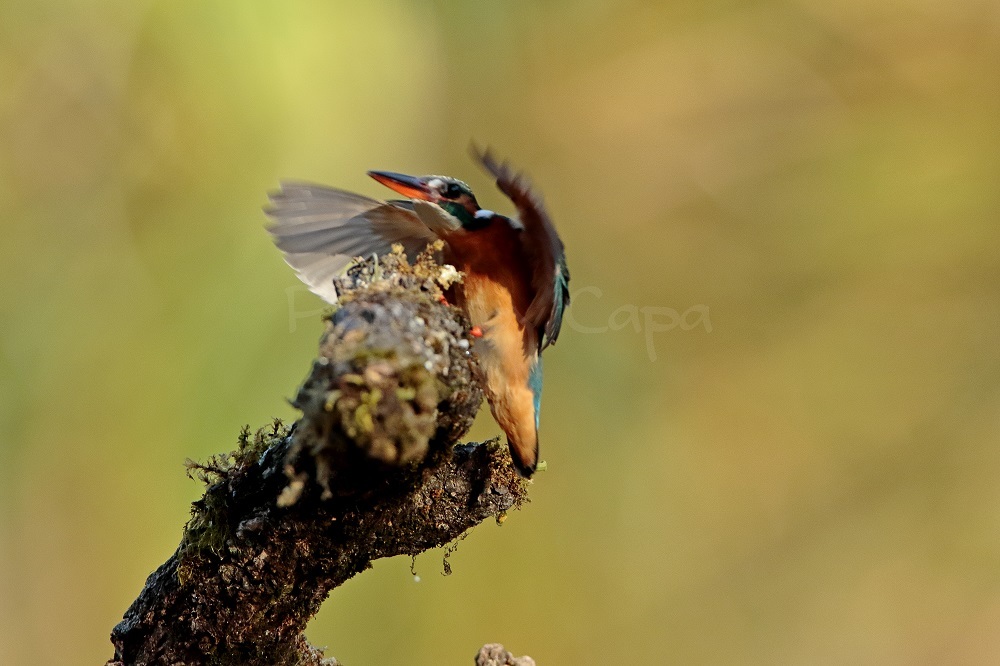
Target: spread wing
<point x="550" y="276"/>
<point x="320" y="229"/>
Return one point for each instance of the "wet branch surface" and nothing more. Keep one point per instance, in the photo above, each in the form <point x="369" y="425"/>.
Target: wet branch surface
<point x="370" y="470"/>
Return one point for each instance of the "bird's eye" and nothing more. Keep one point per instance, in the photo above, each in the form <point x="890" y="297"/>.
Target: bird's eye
<point x="452" y="191"/>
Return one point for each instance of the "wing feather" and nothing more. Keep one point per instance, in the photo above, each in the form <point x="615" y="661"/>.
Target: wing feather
<point x="320" y="229"/>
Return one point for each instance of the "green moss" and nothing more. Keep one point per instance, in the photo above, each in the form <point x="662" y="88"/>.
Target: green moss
<point x="208" y="528"/>
<point x="364" y="423"/>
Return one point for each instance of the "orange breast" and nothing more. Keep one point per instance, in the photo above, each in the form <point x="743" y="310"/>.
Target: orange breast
<point x="497" y="273"/>
<point x="495" y="294"/>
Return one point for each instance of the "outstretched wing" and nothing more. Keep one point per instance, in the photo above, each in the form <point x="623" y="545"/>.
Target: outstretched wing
<point x="320" y="229"/>
<point x="550" y="276"/>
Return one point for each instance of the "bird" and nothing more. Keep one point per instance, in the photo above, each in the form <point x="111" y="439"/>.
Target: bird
<point x="516" y="281"/>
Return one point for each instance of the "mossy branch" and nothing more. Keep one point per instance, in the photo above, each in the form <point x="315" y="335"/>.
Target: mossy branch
<point x="370" y="470"/>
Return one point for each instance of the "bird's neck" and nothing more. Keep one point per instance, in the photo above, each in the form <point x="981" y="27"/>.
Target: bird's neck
<point x="467" y="217"/>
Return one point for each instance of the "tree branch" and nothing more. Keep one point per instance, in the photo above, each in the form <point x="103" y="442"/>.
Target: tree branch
<point x="370" y="470"/>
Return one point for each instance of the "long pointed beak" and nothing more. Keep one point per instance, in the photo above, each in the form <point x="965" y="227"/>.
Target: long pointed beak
<point x="408" y="186"/>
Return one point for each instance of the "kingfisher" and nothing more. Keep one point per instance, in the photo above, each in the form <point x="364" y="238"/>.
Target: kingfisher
<point x="516" y="283"/>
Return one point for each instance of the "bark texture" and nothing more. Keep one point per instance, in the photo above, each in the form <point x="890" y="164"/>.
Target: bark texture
<point x="370" y="470"/>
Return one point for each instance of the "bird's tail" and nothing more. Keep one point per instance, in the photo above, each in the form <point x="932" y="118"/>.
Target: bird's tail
<point x="524" y="457"/>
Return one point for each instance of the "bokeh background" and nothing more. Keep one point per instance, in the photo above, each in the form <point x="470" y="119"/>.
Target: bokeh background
<point x="810" y="474"/>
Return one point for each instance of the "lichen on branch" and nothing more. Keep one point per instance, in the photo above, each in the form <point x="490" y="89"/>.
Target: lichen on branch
<point x="393" y="360"/>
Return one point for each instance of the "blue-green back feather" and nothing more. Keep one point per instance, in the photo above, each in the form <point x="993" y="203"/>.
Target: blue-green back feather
<point x="560" y="303"/>
<point x="535" y="383"/>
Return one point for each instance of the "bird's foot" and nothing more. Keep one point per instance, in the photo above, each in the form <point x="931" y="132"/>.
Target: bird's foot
<point x="484" y="329"/>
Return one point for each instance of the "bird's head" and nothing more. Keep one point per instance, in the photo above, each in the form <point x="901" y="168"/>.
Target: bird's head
<point x="451" y="194"/>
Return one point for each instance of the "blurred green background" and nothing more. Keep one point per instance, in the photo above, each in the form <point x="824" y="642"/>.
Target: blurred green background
<point x="807" y="476"/>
